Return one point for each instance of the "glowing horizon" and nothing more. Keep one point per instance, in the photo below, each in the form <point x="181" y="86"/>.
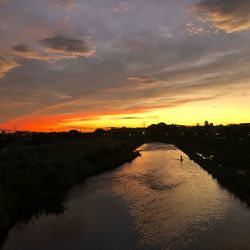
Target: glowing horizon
<point x="68" y="64"/>
<point x="89" y="123"/>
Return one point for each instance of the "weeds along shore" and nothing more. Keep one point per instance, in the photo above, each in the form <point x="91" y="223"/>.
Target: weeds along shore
<point x="33" y="178"/>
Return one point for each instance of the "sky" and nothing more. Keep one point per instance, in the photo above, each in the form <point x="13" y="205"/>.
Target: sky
<point x="71" y="64"/>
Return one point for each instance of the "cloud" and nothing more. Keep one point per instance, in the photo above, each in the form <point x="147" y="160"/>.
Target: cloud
<point x="21" y="48"/>
<point x="138" y="65"/>
<point x="128" y="118"/>
<point x="55" y="48"/>
<point x="6" y="65"/>
<point x="142" y="79"/>
<point x="227" y="15"/>
<point x="135" y="117"/>
<point x="68" y="47"/>
<point x="65" y="4"/>
<point x="25" y="51"/>
<point x="2" y="1"/>
<point x="120" y="8"/>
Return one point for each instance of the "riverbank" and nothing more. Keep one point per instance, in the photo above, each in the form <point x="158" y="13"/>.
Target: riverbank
<point x="227" y="160"/>
<point x="153" y="203"/>
<point x="33" y="178"/>
<point x="35" y="174"/>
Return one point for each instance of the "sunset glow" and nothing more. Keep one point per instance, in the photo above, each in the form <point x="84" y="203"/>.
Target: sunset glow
<point x="72" y="64"/>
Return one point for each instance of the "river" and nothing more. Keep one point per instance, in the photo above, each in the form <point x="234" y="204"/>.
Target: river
<point x="154" y="202"/>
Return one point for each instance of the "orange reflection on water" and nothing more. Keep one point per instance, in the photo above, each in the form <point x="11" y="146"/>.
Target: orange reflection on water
<point x="169" y="199"/>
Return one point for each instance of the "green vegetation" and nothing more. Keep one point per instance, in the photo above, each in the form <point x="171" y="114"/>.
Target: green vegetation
<point x="34" y="175"/>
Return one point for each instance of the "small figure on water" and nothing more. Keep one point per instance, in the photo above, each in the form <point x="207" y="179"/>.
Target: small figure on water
<point x="181" y="159"/>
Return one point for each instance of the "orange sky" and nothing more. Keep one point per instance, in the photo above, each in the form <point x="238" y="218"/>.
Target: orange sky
<point x="69" y="64"/>
<point x="223" y="111"/>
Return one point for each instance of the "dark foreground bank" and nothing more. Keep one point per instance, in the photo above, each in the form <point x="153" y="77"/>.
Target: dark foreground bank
<point x="155" y="202"/>
<point x="34" y="177"/>
<point x="228" y="160"/>
<point x="35" y="171"/>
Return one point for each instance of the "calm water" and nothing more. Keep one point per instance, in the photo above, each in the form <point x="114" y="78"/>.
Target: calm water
<point x="156" y="202"/>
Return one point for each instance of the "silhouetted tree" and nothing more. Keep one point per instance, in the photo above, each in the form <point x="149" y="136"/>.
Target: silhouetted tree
<point x="206" y="123"/>
<point x="99" y="132"/>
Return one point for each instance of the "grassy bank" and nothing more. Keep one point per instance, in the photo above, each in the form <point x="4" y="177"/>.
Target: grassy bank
<point x="228" y="160"/>
<point x="33" y="176"/>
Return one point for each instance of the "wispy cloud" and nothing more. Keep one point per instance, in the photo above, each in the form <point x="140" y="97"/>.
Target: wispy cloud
<point x="145" y="59"/>
<point x="142" y="79"/>
<point x="6" y="65"/>
<point x="27" y="52"/>
<point x="121" y="7"/>
<point x="227" y="15"/>
<point x="55" y="48"/>
<point x="65" y="4"/>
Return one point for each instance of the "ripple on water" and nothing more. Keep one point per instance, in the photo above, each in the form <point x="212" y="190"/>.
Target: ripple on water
<point x="170" y="201"/>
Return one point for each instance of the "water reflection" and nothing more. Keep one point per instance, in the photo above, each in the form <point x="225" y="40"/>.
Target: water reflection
<point x="169" y="200"/>
<point x="55" y="205"/>
<point x="155" y="202"/>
